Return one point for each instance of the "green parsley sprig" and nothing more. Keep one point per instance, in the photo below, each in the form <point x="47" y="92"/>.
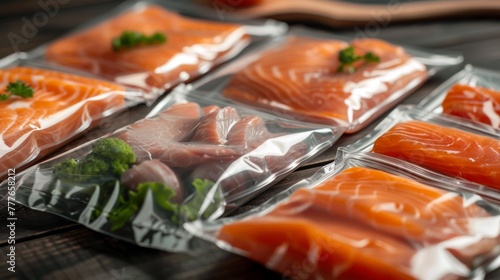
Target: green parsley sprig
<point x="347" y="57"/>
<point x="131" y="39"/>
<point x="18" y="88"/>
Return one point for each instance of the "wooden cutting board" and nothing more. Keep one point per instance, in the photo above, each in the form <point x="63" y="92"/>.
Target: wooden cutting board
<point x="344" y="13"/>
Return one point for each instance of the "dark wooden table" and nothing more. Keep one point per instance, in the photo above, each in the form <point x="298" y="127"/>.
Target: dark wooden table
<point x="49" y="247"/>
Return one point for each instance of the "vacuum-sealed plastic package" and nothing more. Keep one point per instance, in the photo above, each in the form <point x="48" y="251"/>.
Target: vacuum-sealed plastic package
<point x="42" y="108"/>
<point x="446" y="144"/>
<point x="194" y="160"/>
<point x="153" y="45"/>
<point x="324" y="78"/>
<point x="473" y="93"/>
<point x="363" y="217"/>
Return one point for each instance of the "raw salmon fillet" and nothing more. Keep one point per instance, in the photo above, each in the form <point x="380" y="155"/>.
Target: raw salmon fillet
<point x="192" y="47"/>
<point x="475" y="103"/>
<point x="62" y="106"/>
<point x="360" y="224"/>
<point x="447" y="150"/>
<point x="301" y="78"/>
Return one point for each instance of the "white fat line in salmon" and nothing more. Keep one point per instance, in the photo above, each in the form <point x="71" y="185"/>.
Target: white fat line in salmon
<point x="489" y="111"/>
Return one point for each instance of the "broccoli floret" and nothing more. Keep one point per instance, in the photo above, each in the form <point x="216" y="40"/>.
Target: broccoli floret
<point x="114" y="150"/>
<point x="161" y="194"/>
<point x="109" y="156"/>
<point x="92" y="165"/>
<point x="118" y="167"/>
<point x="116" y="153"/>
<point x="129" y="207"/>
<point x="192" y="208"/>
<point x="68" y="166"/>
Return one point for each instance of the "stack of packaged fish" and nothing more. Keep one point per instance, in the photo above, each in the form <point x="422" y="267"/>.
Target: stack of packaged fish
<point x="324" y="78"/>
<point x="193" y="160"/>
<point x="416" y="198"/>
<point x="136" y="53"/>
<point x="367" y="216"/>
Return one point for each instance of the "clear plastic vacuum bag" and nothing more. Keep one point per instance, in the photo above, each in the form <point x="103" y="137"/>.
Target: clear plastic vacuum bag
<point x="364" y="217"/>
<point x="456" y="147"/>
<point x="154" y="45"/>
<point x="42" y="108"/>
<point x="473" y="93"/>
<point x="194" y="160"/>
<point x="324" y="78"/>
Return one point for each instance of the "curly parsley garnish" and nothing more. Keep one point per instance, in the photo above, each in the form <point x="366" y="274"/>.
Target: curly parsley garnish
<point x="131" y="39"/>
<point x="18" y="88"/>
<point x="347" y="57"/>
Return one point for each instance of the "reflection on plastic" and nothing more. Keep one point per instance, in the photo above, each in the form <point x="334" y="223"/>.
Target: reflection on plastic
<point x="63" y="105"/>
<point x="473" y="94"/>
<point x="366" y="223"/>
<point x="474" y="103"/>
<point x="192" y="48"/>
<point x="301" y="75"/>
<point x="451" y="151"/>
<point x="190" y="162"/>
<point x="449" y="145"/>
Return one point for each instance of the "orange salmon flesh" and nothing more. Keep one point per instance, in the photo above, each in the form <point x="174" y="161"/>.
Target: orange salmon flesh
<point x="59" y="109"/>
<point x="474" y="103"/>
<point x="192" y="46"/>
<point x="360" y="224"/>
<point x="450" y="151"/>
<point x="301" y="79"/>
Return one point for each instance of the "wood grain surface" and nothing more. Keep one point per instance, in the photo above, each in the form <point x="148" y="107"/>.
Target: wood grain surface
<point x="49" y="247"/>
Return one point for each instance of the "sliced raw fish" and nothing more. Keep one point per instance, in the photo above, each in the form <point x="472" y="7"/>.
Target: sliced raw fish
<point x="209" y="109"/>
<point x="175" y="154"/>
<point x="249" y="132"/>
<point x="192" y="46"/>
<point x="301" y="78"/>
<point x="392" y="204"/>
<point x="360" y="224"/>
<point x="173" y="124"/>
<point x="447" y="150"/>
<point x="475" y="103"/>
<point x="62" y="106"/>
<point x="189" y="110"/>
<point x="314" y="245"/>
<point x="214" y="127"/>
